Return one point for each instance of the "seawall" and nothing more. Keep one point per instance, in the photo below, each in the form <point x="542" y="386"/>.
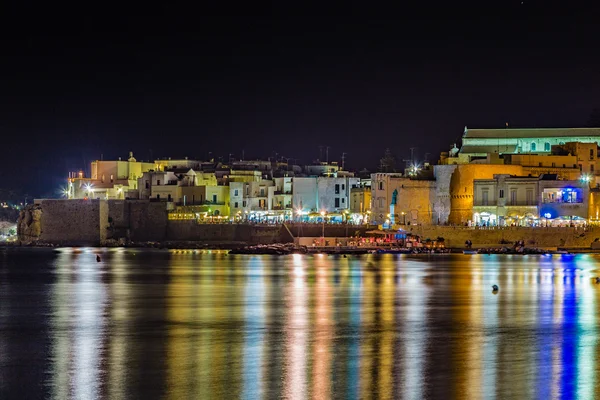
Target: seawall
<point x="98" y="222"/>
<point x="542" y="237"/>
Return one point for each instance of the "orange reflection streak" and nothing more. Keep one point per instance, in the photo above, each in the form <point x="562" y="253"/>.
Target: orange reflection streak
<point x="323" y="331"/>
<point x="180" y="368"/>
<point x="368" y="342"/>
<point x="387" y="294"/>
<point x="466" y="318"/>
<point x="296" y="331"/>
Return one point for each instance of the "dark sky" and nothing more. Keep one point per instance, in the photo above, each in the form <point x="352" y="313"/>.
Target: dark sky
<point x="76" y="84"/>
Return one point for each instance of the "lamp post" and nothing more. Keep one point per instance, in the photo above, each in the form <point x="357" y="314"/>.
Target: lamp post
<point x="403" y="218"/>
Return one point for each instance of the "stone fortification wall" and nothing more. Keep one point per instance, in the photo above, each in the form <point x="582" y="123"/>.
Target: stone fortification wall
<point x="82" y="222"/>
<point x="316" y="230"/>
<point x="92" y="222"/>
<point x="254" y="234"/>
<point x="147" y="220"/>
<point x="461" y="186"/>
<point x="542" y="237"/>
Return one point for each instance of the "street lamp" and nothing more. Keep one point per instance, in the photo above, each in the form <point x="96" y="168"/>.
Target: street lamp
<point x="403" y="218"/>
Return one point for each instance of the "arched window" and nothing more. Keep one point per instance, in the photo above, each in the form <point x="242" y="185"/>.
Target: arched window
<point x="532" y="146"/>
<point x="546" y="146"/>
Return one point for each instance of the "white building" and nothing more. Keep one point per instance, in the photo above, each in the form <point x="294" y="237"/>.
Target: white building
<point x="253" y="200"/>
<point x="314" y="195"/>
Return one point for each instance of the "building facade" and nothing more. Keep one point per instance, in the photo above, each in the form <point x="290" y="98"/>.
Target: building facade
<point x="507" y="200"/>
<point x="479" y="142"/>
<point x="414" y="199"/>
<point x="109" y="179"/>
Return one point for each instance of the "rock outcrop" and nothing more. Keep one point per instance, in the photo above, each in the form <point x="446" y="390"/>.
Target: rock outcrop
<point x="29" y="226"/>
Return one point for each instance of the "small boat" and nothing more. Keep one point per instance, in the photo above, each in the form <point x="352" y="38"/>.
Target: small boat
<point x="469" y="251"/>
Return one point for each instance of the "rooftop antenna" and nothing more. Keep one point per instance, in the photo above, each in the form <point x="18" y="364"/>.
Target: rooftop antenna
<point x="343" y="159"/>
<point x="320" y="153"/>
<point x="327" y="154"/>
<point x="243" y="155"/>
<point x="230" y="157"/>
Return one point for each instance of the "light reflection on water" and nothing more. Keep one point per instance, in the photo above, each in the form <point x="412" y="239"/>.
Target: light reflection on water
<point x="158" y="324"/>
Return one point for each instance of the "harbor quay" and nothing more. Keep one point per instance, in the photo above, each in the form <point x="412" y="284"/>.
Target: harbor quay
<point x="114" y="222"/>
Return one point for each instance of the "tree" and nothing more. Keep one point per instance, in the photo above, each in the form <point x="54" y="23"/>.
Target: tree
<point x="388" y="162"/>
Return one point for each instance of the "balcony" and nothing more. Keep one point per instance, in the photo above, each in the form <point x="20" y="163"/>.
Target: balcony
<point x="279" y="207"/>
<point x="485" y="203"/>
<point x="279" y="192"/>
<point x="202" y="203"/>
<point x="521" y="204"/>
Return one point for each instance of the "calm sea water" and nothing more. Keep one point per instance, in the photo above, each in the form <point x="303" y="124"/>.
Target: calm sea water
<point x="158" y="324"/>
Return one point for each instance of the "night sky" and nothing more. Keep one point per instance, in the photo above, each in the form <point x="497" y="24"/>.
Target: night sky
<point x="175" y="82"/>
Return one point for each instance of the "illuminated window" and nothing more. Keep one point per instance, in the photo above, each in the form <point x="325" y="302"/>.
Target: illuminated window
<point x="546" y="146"/>
<point x="532" y="146"/>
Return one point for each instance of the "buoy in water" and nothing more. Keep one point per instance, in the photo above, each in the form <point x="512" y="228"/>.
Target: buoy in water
<point x="98" y="259"/>
<point x="495" y="288"/>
